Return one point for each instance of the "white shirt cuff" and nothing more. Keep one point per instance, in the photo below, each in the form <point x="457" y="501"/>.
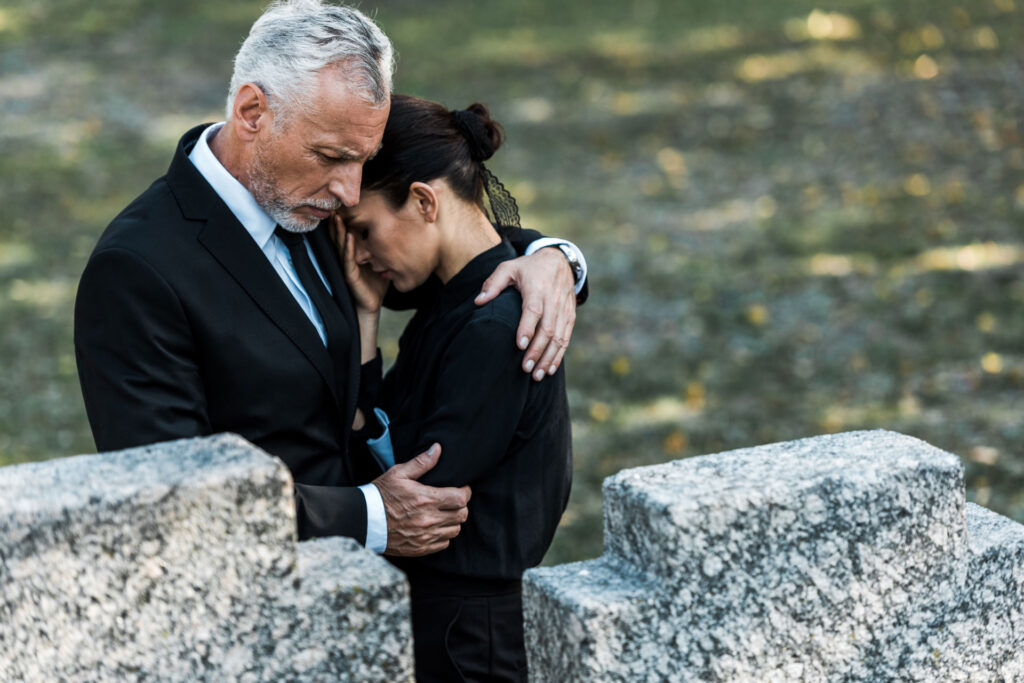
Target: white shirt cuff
<point x="553" y="242"/>
<point x="376" y="519"/>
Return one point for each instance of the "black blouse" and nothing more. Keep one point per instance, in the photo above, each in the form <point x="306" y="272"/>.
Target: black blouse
<point x="458" y="381"/>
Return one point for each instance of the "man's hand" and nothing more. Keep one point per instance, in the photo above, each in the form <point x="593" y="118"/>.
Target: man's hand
<point x="421" y="519"/>
<point x="549" y="306"/>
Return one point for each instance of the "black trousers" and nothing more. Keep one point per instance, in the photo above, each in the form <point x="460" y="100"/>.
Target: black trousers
<point x="469" y="638"/>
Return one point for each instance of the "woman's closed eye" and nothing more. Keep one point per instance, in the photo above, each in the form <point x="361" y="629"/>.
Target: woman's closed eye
<point x="360" y="230"/>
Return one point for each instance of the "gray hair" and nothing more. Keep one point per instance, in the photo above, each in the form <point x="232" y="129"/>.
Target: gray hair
<point x="294" y="39"/>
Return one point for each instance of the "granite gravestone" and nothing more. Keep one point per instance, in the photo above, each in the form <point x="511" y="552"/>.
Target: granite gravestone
<point x="845" y="557"/>
<point x="179" y="561"/>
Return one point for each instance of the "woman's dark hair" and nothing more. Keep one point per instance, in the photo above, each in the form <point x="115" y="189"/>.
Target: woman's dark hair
<point x="423" y="140"/>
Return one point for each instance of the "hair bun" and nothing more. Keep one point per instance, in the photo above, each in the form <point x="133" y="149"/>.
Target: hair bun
<point x="483" y="134"/>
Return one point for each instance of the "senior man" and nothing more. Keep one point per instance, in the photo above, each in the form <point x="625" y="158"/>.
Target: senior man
<point x="193" y="317"/>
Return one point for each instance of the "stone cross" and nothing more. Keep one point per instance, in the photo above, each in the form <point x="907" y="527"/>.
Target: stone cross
<point x="179" y="561"/>
<point x="845" y="557"/>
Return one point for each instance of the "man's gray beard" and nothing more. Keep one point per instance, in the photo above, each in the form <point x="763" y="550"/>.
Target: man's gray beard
<point x="277" y="205"/>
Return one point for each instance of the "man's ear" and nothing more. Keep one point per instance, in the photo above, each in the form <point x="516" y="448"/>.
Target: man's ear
<point x="251" y="112"/>
<point x="425" y="200"/>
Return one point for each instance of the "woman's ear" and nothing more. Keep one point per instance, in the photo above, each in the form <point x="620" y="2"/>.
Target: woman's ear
<point x="425" y="201"/>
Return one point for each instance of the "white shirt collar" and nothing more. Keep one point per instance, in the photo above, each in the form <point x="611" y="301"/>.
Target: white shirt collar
<point x="241" y="202"/>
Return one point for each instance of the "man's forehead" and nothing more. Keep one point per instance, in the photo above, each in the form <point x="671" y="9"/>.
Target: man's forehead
<point x="344" y="119"/>
<point x="336" y="88"/>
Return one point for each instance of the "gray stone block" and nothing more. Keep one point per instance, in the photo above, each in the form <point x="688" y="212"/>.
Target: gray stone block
<point x="350" y="620"/>
<point x="987" y="624"/>
<point x="178" y="561"/>
<point x="843" y="557"/>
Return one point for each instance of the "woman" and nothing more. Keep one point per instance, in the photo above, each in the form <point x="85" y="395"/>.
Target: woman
<point x="457" y="381"/>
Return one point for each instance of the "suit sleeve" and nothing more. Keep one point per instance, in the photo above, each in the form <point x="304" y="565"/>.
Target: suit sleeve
<point x="520" y="239"/>
<point x="136" y="360"/>
<point x="330" y="511"/>
<point x="141" y="381"/>
<point x="481" y="392"/>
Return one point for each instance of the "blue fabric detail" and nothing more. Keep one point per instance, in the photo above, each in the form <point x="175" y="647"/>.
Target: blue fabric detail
<point x="381" y="447"/>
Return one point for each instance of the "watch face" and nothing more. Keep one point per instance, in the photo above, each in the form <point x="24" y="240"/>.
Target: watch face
<point x="574" y="261"/>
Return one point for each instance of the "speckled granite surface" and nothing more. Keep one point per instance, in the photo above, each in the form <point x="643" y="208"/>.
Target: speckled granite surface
<point x="179" y="562"/>
<point x="843" y="557"/>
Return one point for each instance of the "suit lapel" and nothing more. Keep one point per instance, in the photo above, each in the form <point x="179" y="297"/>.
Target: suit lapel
<point x="233" y="247"/>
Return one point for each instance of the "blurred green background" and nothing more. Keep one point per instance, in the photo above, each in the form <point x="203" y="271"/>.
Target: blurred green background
<point x="799" y="217"/>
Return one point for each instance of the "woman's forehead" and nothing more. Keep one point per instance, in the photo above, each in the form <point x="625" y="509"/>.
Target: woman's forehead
<point x="370" y="202"/>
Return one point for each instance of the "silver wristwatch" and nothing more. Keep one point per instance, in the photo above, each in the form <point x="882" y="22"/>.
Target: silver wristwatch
<point x="575" y="259"/>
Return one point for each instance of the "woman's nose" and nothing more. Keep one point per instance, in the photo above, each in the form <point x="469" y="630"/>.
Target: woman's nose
<point x="362" y="253"/>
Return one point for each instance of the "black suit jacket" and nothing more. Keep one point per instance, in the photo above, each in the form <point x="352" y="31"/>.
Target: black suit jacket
<point x="184" y="329"/>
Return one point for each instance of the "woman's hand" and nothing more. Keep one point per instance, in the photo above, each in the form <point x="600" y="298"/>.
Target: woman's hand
<point x="367" y="287"/>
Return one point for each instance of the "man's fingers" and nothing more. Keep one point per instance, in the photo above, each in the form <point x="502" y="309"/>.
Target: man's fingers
<point x="420" y="551"/>
<point x="502" y="277"/>
<point x="449" y="532"/>
<point x="528" y="333"/>
<point x="437" y="518"/>
<point x="556" y="348"/>
<point x="400" y="547"/>
<point x="544" y="336"/>
<point x="415" y="542"/>
<point x="453" y="499"/>
<point x="527" y="330"/>
<point x="420" y="465"/>
<point x="557" y="361"/>
<point x="547" y="359"/>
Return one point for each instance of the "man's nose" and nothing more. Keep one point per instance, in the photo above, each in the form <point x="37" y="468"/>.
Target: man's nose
<point x="344" y="183"/>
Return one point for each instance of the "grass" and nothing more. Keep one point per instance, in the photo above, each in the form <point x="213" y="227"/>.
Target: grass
<point x="800" y="218"/>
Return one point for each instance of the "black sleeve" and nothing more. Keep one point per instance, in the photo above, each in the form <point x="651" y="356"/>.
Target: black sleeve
<point x="481" y="392"/>
<point x="520" y="239"/>
<point x="330" y="511"/>
<point x="141" y="383"/>
<point x="370" y="374"/>
<point x="136" y="360"/>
